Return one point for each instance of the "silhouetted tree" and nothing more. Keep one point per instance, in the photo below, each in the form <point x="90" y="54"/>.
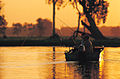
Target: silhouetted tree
<point x="28" y="26"/>
<point x="3" y="23"/>
<point x="39" y="25"/>
<point x="44" y="26"/>
<point x="30" y="29"/>
<point x="25" y="26"/>
<point x="93" y="11"/>
<point x="17" y="28"/>
<point x="47" y="27"/>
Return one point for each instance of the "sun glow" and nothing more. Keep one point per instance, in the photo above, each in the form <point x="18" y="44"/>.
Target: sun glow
<point x="30" y="10"/>
<point x="101" y="64"/>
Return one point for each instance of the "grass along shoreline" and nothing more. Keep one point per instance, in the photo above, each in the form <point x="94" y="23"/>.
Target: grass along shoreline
<point x="45" y="41"/>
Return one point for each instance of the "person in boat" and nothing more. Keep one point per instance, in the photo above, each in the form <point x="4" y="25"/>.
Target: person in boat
<point x="87" y="43"/>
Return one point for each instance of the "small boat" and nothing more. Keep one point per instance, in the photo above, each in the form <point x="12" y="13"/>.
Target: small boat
<point x="79" y="55"/>
<point x="84" y="51"/>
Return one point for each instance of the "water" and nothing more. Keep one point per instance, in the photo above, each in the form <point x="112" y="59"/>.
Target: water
<point x="44" y="63"/>
<point x="110" y="68"/>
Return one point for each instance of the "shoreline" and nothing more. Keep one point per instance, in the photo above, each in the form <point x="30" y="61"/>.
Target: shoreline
<point x="54" y="42"/>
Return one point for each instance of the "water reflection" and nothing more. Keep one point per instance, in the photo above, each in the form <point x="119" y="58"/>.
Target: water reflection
<point x="89" y="70"/>
<point x="54" y="66"/>
<point x="110" y="68"/>
<point x="49" y="63"/>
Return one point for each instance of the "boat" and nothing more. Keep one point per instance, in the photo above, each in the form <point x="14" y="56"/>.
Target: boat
<point x="78" y="54"/>
<point x="84" y="51"/>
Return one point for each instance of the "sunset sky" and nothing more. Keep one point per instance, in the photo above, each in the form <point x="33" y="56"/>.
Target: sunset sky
<point x="30" y="10"/>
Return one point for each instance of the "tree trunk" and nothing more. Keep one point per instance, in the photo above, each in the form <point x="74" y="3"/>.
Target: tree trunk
<point x="95" y="32"/>
<point x="54" y="17"/>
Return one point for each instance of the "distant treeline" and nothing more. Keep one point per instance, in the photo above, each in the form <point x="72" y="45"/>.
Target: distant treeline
<point x="43" y="27"/>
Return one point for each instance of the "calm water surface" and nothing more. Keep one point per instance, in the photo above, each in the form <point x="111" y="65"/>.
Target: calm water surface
<point x="44" y="63"/>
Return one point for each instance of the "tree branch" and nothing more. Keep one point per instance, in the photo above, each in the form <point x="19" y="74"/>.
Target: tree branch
<point x="82" y="33"/>
<point x="80" y="2"/>
<point x="78" y="16"/>
<point x="88" y="27"/>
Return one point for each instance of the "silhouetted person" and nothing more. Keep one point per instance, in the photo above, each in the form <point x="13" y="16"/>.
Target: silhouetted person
<point x="87" y="43"/>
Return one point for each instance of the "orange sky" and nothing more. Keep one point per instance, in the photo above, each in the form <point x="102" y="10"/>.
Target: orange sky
<point x="29" y="10"/>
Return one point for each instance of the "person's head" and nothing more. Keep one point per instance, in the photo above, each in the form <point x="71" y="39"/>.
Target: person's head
<point x="85" y="36"/>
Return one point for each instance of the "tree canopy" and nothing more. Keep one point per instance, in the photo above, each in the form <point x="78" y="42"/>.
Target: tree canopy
<point x="92" y="12"/>
<point x="3" y="22"/>
<point x="98" y="9"/>
<point x="2" y="17"/>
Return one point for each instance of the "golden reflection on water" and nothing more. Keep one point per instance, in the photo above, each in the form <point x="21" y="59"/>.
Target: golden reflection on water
<point x="109" y="66"/>
<point x="30" y="62"/>
<point x="101" y="63"/>
<point x="44" y="63"/>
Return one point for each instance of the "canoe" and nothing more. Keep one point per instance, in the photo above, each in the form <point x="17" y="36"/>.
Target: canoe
<point x="73" y="55"/>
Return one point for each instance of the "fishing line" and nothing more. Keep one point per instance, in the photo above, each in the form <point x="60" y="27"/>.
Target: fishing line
<point x="65" y="24"/>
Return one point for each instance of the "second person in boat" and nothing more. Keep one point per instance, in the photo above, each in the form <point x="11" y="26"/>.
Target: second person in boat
<point x="87" y="43"/>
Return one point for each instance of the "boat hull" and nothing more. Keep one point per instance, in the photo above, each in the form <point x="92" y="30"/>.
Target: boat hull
<point x="82" y="56"/>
